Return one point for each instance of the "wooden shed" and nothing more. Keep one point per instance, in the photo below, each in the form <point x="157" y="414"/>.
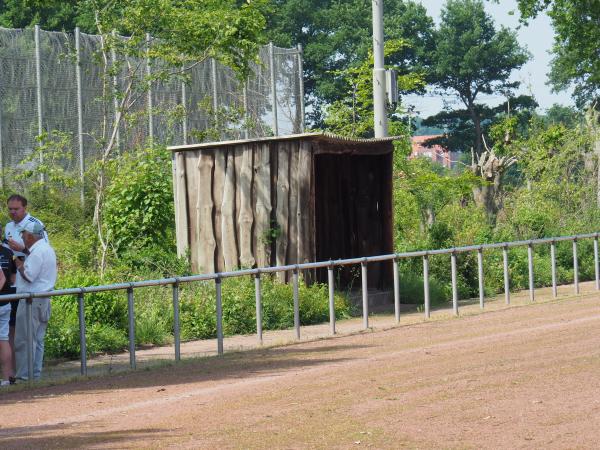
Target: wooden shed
<point x="284" y="200"/>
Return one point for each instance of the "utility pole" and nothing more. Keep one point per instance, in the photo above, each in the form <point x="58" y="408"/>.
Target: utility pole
<point x="379" y="94"/>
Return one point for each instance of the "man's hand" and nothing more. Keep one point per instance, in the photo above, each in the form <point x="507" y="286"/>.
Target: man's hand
<point x="18" y="262"/>
<point x="15" y="246"/>
<point x="21" y="268"/>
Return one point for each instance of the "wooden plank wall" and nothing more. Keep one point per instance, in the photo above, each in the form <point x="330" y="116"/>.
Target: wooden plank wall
<point x="231" y="200"/>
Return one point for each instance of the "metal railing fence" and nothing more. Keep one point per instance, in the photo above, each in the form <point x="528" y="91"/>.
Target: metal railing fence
<point x="394" y="258"/>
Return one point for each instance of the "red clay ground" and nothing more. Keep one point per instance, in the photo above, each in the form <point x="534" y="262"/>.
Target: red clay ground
<point x="523" y="377"/>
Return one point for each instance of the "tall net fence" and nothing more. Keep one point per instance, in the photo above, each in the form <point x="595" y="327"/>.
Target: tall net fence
<point x="43" y="92"/>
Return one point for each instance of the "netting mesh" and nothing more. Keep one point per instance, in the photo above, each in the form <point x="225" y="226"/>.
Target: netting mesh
<point x="209" y="103"/>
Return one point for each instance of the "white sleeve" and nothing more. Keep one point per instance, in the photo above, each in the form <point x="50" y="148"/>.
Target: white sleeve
<point x="33" y="266"/>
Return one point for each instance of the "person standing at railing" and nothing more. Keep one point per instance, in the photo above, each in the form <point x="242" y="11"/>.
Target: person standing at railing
<point x="17" y="210"/>
<point x="36" y="274"/>
<point x="6" y="353"/>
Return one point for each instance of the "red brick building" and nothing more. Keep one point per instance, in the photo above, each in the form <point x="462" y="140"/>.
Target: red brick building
<point x="436" y="153"/>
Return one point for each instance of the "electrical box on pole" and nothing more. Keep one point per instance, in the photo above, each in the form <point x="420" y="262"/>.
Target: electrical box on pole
<point x="391" y="87"/>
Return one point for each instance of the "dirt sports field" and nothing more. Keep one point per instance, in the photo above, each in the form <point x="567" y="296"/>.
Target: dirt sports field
<point x="522" y="377"/>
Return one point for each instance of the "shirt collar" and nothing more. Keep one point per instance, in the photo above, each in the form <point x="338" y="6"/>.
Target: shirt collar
<point x="22" y="222"/>
<point x="35" y="245"/>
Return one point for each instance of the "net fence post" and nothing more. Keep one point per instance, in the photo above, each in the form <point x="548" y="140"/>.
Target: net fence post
<point x="185" y="112"/>
<point x="246" y="116"/>
<point x="301" y="86"/>
<point x="38" y="78"/>
<point x="215" y="93"/>
<point x="149" y="76"/>
<point x="273" y="88"/>
<point x="115" y="82"/>
<point x="79" y="114"/>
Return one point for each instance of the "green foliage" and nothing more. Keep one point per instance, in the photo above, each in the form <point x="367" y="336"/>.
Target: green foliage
<point x="46" y="168"/>
<point x="139" y="211"/>
<point x="575" y="49"/>
<point x="336" y="37"/>
<point x="352" y="115"/>
<point x="472" y="57"/>
<point x="239" y="307"/>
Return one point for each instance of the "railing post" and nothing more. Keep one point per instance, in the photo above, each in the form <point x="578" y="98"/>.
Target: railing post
<point x="575" y="267"/>
<point x="219" y="308"/>
<point x="454" y="283"/>
<point x="506" y="275"/>
<point x="365" y="294"/>
<point x="426" y="299"/>
<point x="131" y="316"/>
<point x="82" y="337"/>
<point x="596" y="268"/>
<point x="553" y="265"/>
<point x="296" y="303"/>
<point x="176" y="324"/>
<point x="480" y="275"/>
<point x="29" y="312"/>
<point x="331" y="285"/>
<point x="530" y="265"/>
<point x="258" y="298"/>
<point x="396" y="290"/>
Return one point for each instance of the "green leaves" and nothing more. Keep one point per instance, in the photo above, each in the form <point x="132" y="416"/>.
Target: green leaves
<point x="139" y="201"/>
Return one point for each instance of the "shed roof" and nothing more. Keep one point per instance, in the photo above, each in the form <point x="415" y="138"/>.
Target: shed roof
<point x="320" y="137"/>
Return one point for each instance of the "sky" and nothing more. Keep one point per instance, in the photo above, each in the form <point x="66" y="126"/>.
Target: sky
<point x="537" y="38"/>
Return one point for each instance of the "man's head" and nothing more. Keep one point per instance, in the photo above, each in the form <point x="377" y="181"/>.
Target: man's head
<point x="31" y="232"/>
<point x="17" y="207"/>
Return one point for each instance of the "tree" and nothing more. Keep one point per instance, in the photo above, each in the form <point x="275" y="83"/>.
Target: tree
<point x="460" y="131"/>
<point x="472" y="58"/>
<point x="336" y="36"/>
<point x="352" y="115"/>
<point x="49" y="14"/>
<point x="577" y="27"/>
<point x="183" y="35"/>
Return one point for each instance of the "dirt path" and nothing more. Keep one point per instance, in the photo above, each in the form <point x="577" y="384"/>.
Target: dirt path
<point x="523" y="377"/>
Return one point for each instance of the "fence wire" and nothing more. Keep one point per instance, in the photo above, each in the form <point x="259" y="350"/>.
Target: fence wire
<point x="39" y="95"/>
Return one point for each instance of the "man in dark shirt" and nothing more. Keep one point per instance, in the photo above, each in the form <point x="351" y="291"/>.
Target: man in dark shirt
<point x="7" y="330"/>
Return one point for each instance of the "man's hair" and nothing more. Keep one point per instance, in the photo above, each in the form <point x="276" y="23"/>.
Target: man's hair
<point x="19" y="198"/>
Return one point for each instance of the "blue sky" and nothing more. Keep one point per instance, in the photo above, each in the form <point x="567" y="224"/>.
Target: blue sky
<point x="537" y="37"/>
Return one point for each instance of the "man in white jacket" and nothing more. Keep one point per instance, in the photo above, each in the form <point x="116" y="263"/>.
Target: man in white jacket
<point x="36" y="274"/>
